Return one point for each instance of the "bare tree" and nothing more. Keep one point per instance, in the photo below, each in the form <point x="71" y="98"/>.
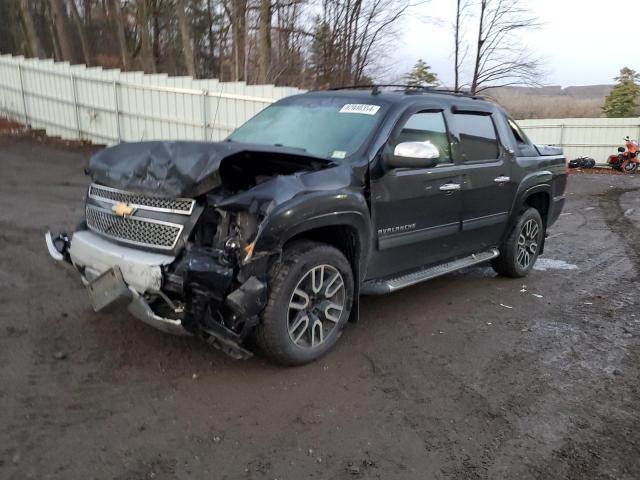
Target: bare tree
<point x="60" y="22"/>
<point x="286" y="42"/>
<point x="237" y="13"/>
<point x="115" y="11"/>
<point x="80" y="27"/>
<point x="499" y="60"/>
<point x="460" y="50"/>
<point x="185" y="37"/>
<point x="33" y="42"/>
<point x="146" y="51"/>
<point x="264" y="40"/>
<point x="348" y="33"/>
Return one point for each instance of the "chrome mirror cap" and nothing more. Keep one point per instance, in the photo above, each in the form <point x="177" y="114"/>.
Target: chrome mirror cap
<point x="424" y="150"/>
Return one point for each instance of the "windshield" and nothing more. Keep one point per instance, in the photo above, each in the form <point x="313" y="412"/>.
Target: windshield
<point x="331" y="128"/>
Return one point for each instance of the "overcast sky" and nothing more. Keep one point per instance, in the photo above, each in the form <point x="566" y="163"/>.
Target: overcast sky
<point x="582" y="44"/>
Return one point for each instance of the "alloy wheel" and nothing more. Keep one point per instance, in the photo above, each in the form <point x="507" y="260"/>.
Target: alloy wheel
<point x="528" y="243"/>
<point x="315" y="306"/>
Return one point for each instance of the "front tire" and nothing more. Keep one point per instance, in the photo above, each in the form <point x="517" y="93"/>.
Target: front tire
<point x="520" y="250"/>
<point x="310" y="298"/>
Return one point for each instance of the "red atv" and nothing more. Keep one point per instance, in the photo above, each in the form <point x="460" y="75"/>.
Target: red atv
<point x="627" y="159"/>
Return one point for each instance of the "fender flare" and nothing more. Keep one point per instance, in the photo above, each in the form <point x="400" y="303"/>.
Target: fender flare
<point x="525" y="191"/>
<point x="294" y="218"/>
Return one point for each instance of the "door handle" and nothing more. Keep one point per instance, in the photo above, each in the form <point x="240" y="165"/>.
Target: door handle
<point x="450" y="187"/>
<point x="501" y="179"/>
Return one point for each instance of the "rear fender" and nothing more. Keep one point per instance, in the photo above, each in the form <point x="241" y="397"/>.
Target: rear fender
<point x="532" y="184"/>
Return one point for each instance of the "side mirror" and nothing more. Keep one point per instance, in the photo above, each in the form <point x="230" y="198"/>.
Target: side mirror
<point x="414" y="155"/>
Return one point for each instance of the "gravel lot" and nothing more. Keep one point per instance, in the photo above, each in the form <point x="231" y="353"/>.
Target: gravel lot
<point x="469" y="376"/>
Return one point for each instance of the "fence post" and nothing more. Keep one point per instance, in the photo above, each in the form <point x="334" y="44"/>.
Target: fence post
<point x="117" y="110"/>
<point x="75" y="105"/>
<point x="24" y="99"/>
<point x="205" y="94"/>
<point x="562" y="135"/>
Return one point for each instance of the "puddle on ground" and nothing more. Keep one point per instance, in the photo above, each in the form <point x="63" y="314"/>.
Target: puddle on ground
<point x="544" y="264"/>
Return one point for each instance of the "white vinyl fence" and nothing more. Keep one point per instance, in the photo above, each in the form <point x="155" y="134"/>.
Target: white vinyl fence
<point x="592" y="137"/>
<point x="110" y="106"/>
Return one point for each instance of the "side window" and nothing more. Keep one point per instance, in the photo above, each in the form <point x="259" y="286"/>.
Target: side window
<point x="517" y="133"/>
<point x="525" y="147"/>
<point x="427" y="127"/>
<point x="478" y="139"/>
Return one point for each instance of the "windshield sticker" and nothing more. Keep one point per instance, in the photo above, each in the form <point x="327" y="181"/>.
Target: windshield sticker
<point x="338" y="154"/>
<point x="362" y="108"/>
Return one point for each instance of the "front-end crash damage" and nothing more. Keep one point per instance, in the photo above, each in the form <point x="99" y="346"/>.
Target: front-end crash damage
<point x="199" y="268"/>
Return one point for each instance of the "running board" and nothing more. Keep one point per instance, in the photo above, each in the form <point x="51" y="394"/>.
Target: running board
<point x="381" y="287"/>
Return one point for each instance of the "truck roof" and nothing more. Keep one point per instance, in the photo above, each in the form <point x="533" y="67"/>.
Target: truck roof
<point x="396" y="95"/>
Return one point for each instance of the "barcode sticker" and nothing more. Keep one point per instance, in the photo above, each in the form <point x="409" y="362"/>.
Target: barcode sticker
<point x="362" y="108"/>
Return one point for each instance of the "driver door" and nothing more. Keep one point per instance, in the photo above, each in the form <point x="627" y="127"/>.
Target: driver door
<point x="416" y="211"/>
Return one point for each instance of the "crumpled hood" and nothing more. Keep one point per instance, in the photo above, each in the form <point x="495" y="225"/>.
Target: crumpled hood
<point x="173" y="169"/>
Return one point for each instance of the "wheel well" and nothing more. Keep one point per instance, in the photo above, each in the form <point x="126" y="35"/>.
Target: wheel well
<point x="539" y="201"/>
<point x="343" y="237"/>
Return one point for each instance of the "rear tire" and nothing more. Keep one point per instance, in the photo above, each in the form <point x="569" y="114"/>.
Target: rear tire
<point x="310" y="298"/>
<point x="520" y="250"/>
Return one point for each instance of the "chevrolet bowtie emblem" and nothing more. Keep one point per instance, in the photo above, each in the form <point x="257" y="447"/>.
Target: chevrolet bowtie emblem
<point x="122" y="210"/>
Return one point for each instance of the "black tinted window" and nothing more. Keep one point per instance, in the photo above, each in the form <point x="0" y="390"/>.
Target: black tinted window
<point x="478" y="139"/>
<point x="427" y="127"/>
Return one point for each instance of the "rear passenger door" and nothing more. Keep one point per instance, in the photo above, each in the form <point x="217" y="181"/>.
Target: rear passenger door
<point x="486" y="168"/>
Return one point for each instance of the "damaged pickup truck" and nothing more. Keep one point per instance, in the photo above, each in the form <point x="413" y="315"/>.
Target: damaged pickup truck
<point x="322" y="197"/>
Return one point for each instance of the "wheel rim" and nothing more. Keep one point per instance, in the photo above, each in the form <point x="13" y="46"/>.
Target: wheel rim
<point x="528" y="243"/>
<point x="315" y="306"/>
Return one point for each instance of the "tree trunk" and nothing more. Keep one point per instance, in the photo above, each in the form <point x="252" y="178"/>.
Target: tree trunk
<point x="476" y="69"/>
<point x="156" y="33"/>
<point x="146" y="50"/>
<point x="80" y="26"/>
<point x="264" y="41"/>
<point x="239" y="25"/>
<point x="87" y="12"/>
<point x="116" y="13"/>
<point x="185" y="37"/>
<point x="55" y="46"/>
<point x="60" y="24"/>
<point x="33" y="42"/>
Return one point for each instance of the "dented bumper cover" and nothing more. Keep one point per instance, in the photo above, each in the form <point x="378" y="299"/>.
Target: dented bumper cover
<point x="212" y="304"/>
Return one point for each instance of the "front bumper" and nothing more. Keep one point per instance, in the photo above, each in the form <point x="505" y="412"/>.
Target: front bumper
<point x="141" y="271"/>
<point x="140" y="276"/>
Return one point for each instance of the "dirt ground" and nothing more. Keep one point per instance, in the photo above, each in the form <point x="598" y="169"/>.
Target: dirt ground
<point x="469" y="376"/>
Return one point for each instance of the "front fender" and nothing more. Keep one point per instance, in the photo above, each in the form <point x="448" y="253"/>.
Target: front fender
<point x="311" y="211"/>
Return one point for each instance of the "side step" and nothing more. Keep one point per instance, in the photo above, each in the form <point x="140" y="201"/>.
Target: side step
<point x="381" y="287"/>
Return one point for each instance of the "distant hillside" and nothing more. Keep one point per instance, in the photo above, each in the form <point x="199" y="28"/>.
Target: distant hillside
<point x="551" y="101"/>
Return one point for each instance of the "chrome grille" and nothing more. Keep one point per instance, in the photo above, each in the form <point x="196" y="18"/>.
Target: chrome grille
<point x="135" y="230"/>
<point x="183" y="206"/>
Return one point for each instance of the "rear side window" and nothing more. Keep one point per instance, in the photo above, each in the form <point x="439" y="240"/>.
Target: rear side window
<point x="427" y="127"/>
<point x="478" y="139"/>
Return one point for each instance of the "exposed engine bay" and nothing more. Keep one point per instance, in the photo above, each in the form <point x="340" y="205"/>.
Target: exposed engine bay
<point x="206" y="211"/>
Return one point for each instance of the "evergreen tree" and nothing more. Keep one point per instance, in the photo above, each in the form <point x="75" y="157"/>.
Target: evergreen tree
<point x="421" y="75"/>
<point x="622" y="101"/>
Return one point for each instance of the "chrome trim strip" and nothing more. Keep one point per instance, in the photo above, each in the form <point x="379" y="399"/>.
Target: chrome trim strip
<point x="486" y="221"/>
<point x="140" y="219"/>
<point x="137" y="206"/>
<point x="53" y="251"/>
